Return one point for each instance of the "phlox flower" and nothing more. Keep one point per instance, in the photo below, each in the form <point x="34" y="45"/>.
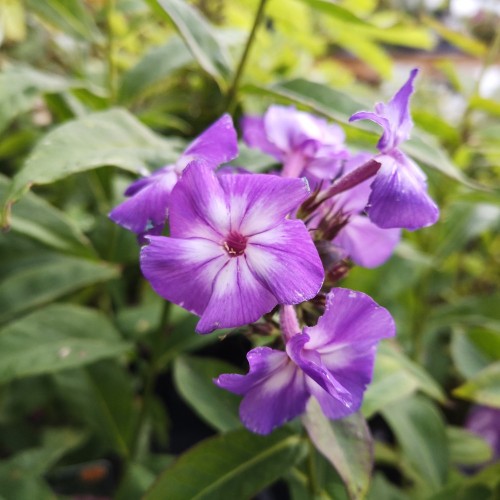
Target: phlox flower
<point x="233" y="254"/>
<point x="332" y="362"/>
<point x="306" y="144"/>
<point x="399" y="191"/>
<point x="146" y="209"/>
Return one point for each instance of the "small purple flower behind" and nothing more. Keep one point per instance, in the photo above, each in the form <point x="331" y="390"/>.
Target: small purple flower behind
<point x="146" y="209"/>
<point x="361" y="240"/>
<point x="306" y="144"/>
<point x="332" y="362"/>
<point x="399" y="191"/>
<point x="233" y="254"/>
<point x="485" y="422"/>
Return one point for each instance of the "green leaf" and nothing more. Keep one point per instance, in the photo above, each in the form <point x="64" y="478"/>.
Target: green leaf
<point x="20" y="87"/>
<point x="238" y="464"/>
<point x="463" y="42"/>
<point x="55" y="338"/>
<point x="420" y="432"/>
<point x="198" y="36"/>
<point x="320" y="98"/>
<point x="337" y="11"/>
<point x="468" y="357"/>
<point x="194" y="380"/>
<point x="112" y="412"/>
<point x="396" y="377"/>
<point x="466" y="448"/>
<point x="113" y="137"/>
<point x="483" y="388"/>
<point x="70" y="16"/>
<point x="40" y="281"/>
<point x="488" y="105"/>
<point x="157" y="65"/>
<point x="36" y="218"/>
<point x="345" y="443"/>
<point x="465" y="221"/>
<point x="21" y="475"/>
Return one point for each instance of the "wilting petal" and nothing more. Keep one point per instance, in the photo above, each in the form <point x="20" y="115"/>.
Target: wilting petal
<point x="237" y="298"/>
<point x="365" y="243"/>
<point x="258" y="202"/>
<point x="182" y="271"/>
<point x="254" y="134"/>
<point x="274" y="390"/>
<point x="147" y="209"/>
<point x="286" y="260"/>
<point x="217" y="144"/>
<point x="349" y="318"/>
<point x="399" y="195"/>
<point x="199" y="207"/>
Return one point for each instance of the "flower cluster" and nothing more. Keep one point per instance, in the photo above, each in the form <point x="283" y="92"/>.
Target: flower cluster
<point x="240" y="244"/>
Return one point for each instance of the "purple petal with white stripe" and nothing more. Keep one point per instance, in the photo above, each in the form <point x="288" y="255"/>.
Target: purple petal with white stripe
<point x="183" y="270"/>
<point x="399" y="195"/>
<point x="274" y="390"/>
<point x="237" y="298"/>
<point x="286" y="260"/>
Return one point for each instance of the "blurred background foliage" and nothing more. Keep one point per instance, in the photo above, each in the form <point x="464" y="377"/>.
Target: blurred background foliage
<point x="95" y="398"/>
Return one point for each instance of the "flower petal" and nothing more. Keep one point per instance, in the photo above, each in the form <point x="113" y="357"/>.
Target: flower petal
<point x="258" y="202"/>
<point x="399" y="195"/>
<point x="349" y="318"/>
<point x="254" y="134"/>
<point x="237" y="299"/>
<point x="146" y="210"/>
<point x="394" y="117"/>
<point x="198" y="205"/>
<point x="365" y="243"/>
<point x="217" y="144"/>
<point x="182" y="271"/>
<point x="286" y="260"/>
<point x="274" y="390"/>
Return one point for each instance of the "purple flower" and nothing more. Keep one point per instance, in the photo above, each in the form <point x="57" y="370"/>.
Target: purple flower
<point x="146" y="210"/>
<point x="233" y="254"/>
<point x="485" y="422"/>
<point x="305" y="144"/>
<point x="332" y="361"/>
<point x="399" y="191"/>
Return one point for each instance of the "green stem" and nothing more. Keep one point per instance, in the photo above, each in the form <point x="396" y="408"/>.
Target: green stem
<point x="110" y="52"/>
<point x="233" y="89"/>
<point x="312" y="469"/>
<point x="150" y="378"/>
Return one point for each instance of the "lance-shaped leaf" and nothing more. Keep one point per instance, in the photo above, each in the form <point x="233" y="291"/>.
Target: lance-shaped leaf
<point x="198" y="36"/>
<point x="39" y="220"/>
<point x="55" y="338"/>
<point x="483" y="388"/>
<point x="38" y="281"/>
<point x="113" y="137"/>
<point x="238" y="464"/>
<point x="194" y="380"/>
<point x="346" y="444"/>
